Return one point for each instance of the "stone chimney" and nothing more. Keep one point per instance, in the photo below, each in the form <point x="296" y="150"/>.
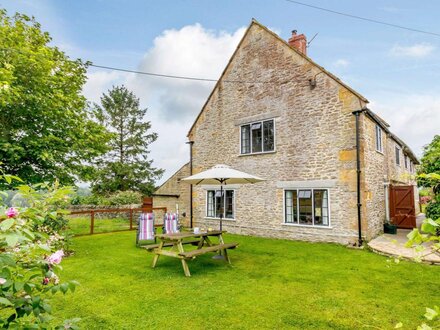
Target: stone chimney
<point x="299" y="42"/>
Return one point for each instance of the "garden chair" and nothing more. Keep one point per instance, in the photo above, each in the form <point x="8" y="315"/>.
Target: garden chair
<point x="171" y="223"/>
<point x="146" y="230"/>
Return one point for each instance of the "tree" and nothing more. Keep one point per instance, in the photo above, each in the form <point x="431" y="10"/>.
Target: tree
<point x="126" y="165"/>
<point x="46" y="131"/>
<point x="430" y="164"/>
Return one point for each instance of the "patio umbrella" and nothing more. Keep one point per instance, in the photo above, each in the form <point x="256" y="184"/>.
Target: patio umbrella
<point x="224" y="175"/>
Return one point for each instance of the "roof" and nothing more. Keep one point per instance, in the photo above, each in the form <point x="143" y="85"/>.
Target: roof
<point x="384" y="125"/>
<point x="171" y="176"/>
<point x="255" y="22"/>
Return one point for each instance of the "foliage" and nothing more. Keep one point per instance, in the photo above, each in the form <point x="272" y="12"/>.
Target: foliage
<point x="433" y="210"/>
<point x="424" y="192"/>
<point x="126" y="166"/>
<point x="429" y="233"/>
<point x="47" y="132"/>
<point x="30" y="258"/>
<point x="118" y="198"/>
<point x="431" y="164"/>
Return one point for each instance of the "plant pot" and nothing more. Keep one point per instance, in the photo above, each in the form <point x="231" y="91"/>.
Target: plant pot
<point x="389" y="228"/>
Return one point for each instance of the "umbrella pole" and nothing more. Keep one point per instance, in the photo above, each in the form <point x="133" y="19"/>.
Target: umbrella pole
<point x="222" y="208"/>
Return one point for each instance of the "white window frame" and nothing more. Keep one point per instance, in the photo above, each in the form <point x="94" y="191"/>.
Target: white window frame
<point x="379" y="143"/>
<point x="262" y="138"/>
<point x="328" y="226"/>
<point x="224" y="193"/>
<point x="397" y="155"/>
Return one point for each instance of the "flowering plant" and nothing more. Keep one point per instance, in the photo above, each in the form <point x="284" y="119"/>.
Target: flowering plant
<point x="30" y="258"/>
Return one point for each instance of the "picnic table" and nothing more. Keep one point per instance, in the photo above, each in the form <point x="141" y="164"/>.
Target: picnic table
<point x="176" y="242"/>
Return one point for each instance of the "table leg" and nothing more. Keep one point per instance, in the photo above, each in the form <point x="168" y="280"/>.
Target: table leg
<point x="156" y="256"/>
<point x="184" y="263"/>
<point x="225" y="254"/>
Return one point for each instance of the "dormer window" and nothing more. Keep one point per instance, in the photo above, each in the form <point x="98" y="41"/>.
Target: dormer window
<point x="257" y="137"/>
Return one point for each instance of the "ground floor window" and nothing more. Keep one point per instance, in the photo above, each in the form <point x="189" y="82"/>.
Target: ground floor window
<point x="217" y="204"/>
<point x="307" y="207"/>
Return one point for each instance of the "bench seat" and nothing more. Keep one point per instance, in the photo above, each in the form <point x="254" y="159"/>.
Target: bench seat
<point x="168" y="244"/>
<point x="214" y="248"/>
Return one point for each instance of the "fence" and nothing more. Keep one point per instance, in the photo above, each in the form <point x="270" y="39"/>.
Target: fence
<point x="93" y="221"/>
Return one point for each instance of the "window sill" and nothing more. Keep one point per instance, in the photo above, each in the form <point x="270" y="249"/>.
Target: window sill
<point x="257" y="153"/>
<point x="380" y="152"/>
<point x="306" y="226"/>
<point x="223" y="219"/>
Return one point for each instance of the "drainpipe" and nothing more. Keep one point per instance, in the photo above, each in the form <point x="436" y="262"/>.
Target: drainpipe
<point x="191" y="186"/>
<point x="387" y="202"/>
<point x="358" y="175"/>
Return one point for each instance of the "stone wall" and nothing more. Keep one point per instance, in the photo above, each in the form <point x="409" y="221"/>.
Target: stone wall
<point x="174" y="191"/>
<point x="315" y="140"/>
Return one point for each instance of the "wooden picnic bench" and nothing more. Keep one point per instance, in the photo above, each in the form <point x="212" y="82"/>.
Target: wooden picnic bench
<point x="176" y="242"/>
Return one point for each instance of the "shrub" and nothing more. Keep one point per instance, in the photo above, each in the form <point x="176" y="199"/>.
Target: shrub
<point x="425" y="199"/>
<point x="30" y="257"/>
<point x="433" y="210"/>
<point x="125" y="198"/>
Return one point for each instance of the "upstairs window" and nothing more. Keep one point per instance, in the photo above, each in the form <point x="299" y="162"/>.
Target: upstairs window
<point x="397" y="156"/>
<point x="257" y="137"/>
<point x="379" y="139"/>
<point x="406" y="161"/>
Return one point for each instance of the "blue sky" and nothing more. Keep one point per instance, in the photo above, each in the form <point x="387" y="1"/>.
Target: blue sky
<point x="397" y="70"/>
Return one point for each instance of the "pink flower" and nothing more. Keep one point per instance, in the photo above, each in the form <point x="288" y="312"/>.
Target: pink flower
<point x="46" y="281"/>
<point x="56" y="257"/>
<point x="2" y="281"/>
<point x="11" y="212"/>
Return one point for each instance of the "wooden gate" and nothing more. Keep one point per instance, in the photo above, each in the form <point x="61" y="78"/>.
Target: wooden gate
<point x="402" y="207"/>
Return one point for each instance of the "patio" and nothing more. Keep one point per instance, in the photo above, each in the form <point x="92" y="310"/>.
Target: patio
<point x="394" y="245"/>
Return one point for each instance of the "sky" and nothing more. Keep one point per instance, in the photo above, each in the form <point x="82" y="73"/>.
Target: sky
<point x="397" y="70"/>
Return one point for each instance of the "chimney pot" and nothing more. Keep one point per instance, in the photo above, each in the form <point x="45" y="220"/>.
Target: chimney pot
<point x="298" y="41"/>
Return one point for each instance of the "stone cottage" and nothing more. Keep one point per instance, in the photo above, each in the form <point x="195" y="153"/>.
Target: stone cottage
<point x="332" y="166"/>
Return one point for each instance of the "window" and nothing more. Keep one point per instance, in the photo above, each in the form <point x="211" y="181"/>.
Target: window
<point x="217" y="204"/>
<point x="257" y="137"/>
<point x="397" y="156"/>
<point x="379" y="139"/>
<point x="405" y="158"/>
<point x="307" y="207"/>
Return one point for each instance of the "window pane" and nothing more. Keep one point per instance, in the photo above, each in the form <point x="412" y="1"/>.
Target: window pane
<point x="321" y="207"/>
<point x="256" y="137"/>
<point x="397" y="156"/>
<point x="210" y="204"/>
<point x="218" y="204"/>
<point x="268" y="136"/>
<point x="378" y="138"/>
<point x="245" y="139"/>
<point x="291" y="206"/>
<point x="305" y="207"/>
<point x="229" y="204"/>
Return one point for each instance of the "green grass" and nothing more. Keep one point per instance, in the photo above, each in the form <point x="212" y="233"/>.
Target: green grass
<point x="81" y="225"/>
<point x="271" y="284"/>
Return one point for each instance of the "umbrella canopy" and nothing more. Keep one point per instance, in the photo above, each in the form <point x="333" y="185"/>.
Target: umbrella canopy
<point x="222" y="174"/>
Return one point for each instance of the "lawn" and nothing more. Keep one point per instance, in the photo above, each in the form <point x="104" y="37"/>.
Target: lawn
<point x="271" y="284"/>
<point x="80" y="225"/>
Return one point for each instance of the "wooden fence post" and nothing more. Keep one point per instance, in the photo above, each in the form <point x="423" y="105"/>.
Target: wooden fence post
<point x="131" y="219"/>
<point x="92" y="222"/>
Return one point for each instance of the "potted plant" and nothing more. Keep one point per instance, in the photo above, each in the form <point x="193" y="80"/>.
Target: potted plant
<point x="389" y="228"/>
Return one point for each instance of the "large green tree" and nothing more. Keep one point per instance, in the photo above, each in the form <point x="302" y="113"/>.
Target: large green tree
<point x="127" y="165"/>
<point x="45" y="130"/>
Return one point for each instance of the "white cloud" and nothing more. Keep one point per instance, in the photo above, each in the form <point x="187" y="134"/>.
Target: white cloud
<point x="173" y="104"/>
<point x="417" y="50"/>
<point x="413" y="117"/>
<point x="341" y="63"/>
